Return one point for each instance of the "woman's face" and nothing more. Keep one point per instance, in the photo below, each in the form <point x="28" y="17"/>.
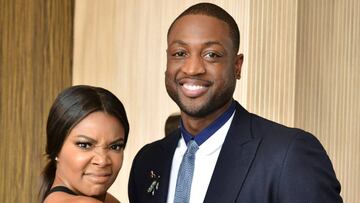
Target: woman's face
<point x="92" y="155"/>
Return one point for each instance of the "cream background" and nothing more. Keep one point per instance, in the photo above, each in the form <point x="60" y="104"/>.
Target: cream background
<point x="301" y="69"/>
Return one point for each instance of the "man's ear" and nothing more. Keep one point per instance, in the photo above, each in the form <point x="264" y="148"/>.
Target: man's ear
<point x="238" y="64"/>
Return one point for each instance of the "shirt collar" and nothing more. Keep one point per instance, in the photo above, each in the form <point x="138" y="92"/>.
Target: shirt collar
<point x="209" y="130"/>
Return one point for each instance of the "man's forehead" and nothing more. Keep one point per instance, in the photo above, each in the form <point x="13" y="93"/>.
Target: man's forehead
<point x="197" y="19"/>
<point x="198" y="27"/>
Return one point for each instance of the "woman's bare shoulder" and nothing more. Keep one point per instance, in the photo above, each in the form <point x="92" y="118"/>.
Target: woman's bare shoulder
<point x="60" y="197"/>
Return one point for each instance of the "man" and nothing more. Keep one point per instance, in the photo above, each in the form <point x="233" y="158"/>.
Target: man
<point x="221" y="152"/>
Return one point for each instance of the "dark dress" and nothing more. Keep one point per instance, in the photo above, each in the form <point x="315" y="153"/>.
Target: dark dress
<point x="60" y="189"/>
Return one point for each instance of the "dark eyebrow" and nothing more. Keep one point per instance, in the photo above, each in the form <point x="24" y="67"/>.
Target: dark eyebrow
<point x="86" y="137"/>
<point x="209" y="43"/>
<point x="94" y="141"/>
<point x="118" y="140"/>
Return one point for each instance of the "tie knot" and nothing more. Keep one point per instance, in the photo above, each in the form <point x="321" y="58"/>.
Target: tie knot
<point x="192" y="147"/>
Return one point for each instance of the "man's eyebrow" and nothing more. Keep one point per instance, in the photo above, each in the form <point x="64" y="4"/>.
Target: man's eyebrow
<point x="209" y="43"/>
<point x="180" y="42"/>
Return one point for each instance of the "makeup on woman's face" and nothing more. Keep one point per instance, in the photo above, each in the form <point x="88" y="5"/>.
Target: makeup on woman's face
<point x="92" y="155"/>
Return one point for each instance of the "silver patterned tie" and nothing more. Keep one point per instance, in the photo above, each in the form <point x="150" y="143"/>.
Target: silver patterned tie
<point x="185" y="175"/>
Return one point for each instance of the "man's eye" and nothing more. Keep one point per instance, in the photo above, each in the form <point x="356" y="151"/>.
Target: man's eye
<point x="212" y="55"/>
<point x="117" y="147"/>
<point x="84" y="145"/>
<point x="179" y="54"/>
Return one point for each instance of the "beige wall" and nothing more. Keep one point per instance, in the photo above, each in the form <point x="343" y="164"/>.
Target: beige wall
<point x="328" y="83"/>
<point x="35" y="64"/>
<point x="301" y="68"/>
<point x="272" y="59"/>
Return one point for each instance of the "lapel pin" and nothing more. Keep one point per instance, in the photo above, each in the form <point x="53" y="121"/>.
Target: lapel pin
<point x="154" y="184"/>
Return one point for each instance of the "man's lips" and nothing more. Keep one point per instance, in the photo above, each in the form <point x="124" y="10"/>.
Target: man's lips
<point x="194" y="87"/>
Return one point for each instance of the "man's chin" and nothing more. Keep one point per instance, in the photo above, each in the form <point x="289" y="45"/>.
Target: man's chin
<point x="194" y="111"/>
<point x="194" y="107"/>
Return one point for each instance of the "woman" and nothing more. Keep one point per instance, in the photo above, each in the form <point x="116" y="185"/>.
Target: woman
<point x="87" y="130"/>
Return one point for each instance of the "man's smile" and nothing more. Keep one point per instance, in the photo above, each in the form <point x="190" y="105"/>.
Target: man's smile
<point x="194" y="87"/>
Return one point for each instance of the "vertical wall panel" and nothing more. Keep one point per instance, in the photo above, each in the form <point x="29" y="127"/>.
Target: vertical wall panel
<point x="35" y="64"/>
<point x="272" y="57"/>
<point x="328" y="81"/>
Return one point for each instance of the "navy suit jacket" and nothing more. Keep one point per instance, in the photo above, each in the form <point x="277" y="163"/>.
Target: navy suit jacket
<point x="260" y="161"/>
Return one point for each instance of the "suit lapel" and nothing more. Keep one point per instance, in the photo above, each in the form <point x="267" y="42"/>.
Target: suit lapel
<point x="167" y="150"/>
<point x="235" y="158"/>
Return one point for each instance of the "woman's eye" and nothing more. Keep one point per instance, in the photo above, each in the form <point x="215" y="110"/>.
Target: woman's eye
<point x="117" y="147"/>
<point x="84" y="145"/>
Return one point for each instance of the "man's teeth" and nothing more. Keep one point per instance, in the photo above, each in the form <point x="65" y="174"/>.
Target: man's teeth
<point x="193" y="87"/>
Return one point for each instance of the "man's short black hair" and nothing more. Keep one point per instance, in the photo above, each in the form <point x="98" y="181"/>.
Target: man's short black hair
<point x="217" y="12"/>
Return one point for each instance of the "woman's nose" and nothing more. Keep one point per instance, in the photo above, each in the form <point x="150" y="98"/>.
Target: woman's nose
<point x="101" y="157"/>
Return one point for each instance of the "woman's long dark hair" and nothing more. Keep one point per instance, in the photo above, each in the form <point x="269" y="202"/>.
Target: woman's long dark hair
<point x="69" y="108"/>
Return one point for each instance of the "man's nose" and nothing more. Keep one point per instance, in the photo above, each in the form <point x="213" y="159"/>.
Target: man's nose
<point x="193" y="66"/>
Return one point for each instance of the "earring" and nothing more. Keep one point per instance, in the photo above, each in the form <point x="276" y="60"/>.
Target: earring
<point x="56" y="159"/>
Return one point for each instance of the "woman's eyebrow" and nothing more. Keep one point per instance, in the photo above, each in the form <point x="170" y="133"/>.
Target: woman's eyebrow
<point x="117" y="140"/>
<point x="94" y="141"/>
<point x="86" y="137"/>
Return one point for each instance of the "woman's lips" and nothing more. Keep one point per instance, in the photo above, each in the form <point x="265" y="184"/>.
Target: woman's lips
<point x="98" y="178"/>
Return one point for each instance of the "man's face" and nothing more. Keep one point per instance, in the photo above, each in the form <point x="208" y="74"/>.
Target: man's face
<point x="201" y="65"/>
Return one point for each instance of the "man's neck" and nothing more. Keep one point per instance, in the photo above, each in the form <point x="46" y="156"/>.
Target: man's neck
<point x="194" y="125"/>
